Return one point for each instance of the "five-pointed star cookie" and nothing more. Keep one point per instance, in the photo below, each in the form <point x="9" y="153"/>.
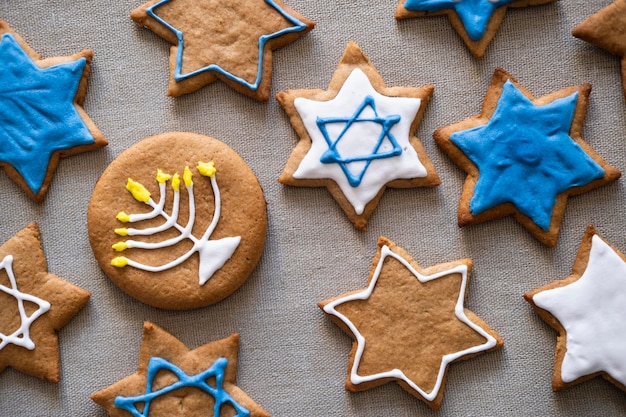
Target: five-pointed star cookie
<point x="201" y="381"/>
<point x="607" y="29"/>
<point x="357" y="137"/>
<point x="588" y="309"/>
<point x="409" y="324"/>
<point x="476" y="21"/>
<point x="220" y="39"/>
<point x="524" y="156"/>
<point x="41" y="114"/>
<point x="34" y="305"/>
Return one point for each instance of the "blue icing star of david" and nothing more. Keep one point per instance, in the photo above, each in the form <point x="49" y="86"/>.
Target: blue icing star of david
<point x="333" y="155"/>
<point x="199" y="381"/>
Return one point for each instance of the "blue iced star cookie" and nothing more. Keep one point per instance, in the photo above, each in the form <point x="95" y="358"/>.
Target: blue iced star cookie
<point x="40" y="116"/>
<point x="526" y="159"/>
<point x="475" y="20"/>
<point x="221" y="39"/>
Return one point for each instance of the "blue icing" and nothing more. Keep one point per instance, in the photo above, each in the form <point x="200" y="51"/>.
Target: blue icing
<point x="200" y="381"/>
<point x="37" y="112"/>
<point x="179" y="76"/>
<point x="332" y="155"/>
<point x="525" y="155"/>
<point x="474" y="14"/>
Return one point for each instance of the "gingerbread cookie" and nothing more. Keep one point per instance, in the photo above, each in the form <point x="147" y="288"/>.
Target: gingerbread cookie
<point x="202" y="381"/>
<point x="524" y="156"/>
<point x="357" y="137"/>
<point x="587" y="309"/>
<point x="607" y="29"/>
<point x="34" y="306"/>
<point x="476" y="21"/>
<point x="178" y="221"/>
<point x="221" y="39"/>
<point x="409" y="324"/>
<point x="41" y="112"/>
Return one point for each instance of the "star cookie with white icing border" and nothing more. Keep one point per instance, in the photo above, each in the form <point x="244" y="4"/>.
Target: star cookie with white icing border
<point x="587" y="309"/>
<point x="201" y="381"/>
<point x="409" y="324"/>
<point x="524" y="156"/>
<point x="607" y="30"/>
<point x="357" y="137"/>
<point x="34" y="305"/>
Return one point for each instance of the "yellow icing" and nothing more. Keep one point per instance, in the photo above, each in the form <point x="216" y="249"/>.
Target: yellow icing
<point x="123" y="217"/>
<point x="139" y="192"/>
<point x="120" y="246"/>
<point x="176" y="182"/>
<point x="162" y="177"/>
<point x="187" y="177"/>
<point x="207" y="168"/>
<point x="122" y="231"/>
<point x="119" y="262"/>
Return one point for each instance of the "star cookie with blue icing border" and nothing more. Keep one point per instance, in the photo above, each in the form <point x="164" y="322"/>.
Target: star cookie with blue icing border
<point x="476" y="21"/>
<point x="174" y="380"/>
<point x="41" y="113"/>
<point x="587" y="310"/>
<point x="409" y="324"/>
<point x="34" y="306"/>
<point x="607" y="30"/>
<point x="357" y="137"/>
<point x="225" y="40"/>
<point x="524" y="156"/>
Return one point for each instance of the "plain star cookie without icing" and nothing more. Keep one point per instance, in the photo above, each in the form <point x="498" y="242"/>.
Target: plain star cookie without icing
<point x="607" y="29"/>
<point x="41" y="113"/>
<point x="524" y="156"/>
<point x="34" y="305"/>
<point x="357" y="137"/>
<point x="476" y="21"/>
<point x="220" y="39"/>
<point x="588" y="309"/>
<point x="173" y="380"/>
<point x="409" y="324"/>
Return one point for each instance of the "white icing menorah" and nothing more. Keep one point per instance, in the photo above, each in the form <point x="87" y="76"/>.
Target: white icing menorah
<point x="213" y="254"/>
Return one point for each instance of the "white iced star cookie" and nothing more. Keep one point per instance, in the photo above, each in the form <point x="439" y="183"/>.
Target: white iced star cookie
<point x="588" y="310"/>
<point x="357" y="137"/>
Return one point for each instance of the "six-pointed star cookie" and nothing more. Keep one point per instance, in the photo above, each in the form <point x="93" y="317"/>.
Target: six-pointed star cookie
<point x="202" y="381"/>
<point x="34" y="305"/>
<point x="588" y="309"/>
<point x="220" y="39"/>
<point x="357" y="137"/>
<point x="409" y="324"/>
<point x="524" y="156"/>
<point x="41" y="114"/>
<point x="476" y="21"/>
<point x="607" y="29"/>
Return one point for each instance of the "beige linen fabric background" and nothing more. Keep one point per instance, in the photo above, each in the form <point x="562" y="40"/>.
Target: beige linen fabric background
<point x="292" y="359"/>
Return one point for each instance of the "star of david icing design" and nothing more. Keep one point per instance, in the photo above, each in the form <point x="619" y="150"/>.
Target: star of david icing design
<point x="209" y="48"/>
<point x="41" y="118"/>
<point x="40" y="304"/>
<point x="607" y="30"/>
<point x="587" y="309"/>
<point x="476" y="21"/>
<point x="167" y="366"/>
<point x="409" y="324"/>
<point x="357" y="137"/>
<point x="524" y="156"/>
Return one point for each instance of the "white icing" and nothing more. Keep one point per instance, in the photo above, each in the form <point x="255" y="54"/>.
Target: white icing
<point x="592" y="310"/>
<point x="20" y="337"/>
<point x="213" y="253"/>
<point x="459" y="311"/>
<point x="359" y="139"/>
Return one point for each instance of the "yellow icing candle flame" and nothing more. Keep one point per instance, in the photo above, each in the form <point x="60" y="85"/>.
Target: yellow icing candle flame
<point x="162" y="177"/>
<point x="122" y="231"/>
<point x="123" y="217"/>
<point x="207" y="169"/>
<point x="119" y="262"/>
<point x="120" y="246"/>
<point x="187" y="177"/>
<point x="176" y="182"/>
<point x="139" y="192"/>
